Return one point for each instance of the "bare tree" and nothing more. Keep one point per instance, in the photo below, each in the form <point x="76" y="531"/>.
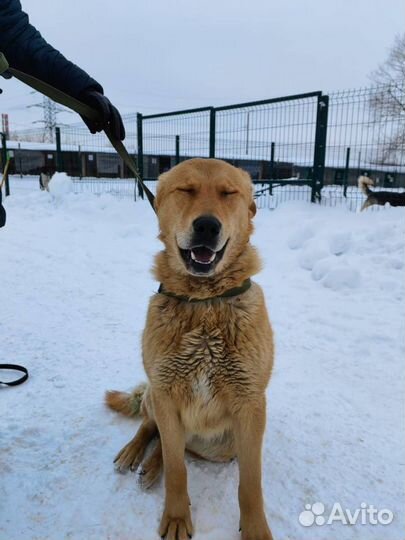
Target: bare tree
<point x="388" y="102"/>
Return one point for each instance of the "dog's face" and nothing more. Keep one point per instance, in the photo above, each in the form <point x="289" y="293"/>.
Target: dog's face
<point x="205" y="207"/>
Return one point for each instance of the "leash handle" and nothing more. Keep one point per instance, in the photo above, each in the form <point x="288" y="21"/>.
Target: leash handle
<point x="81" y="108"/>
<point x="15" y="367"/>
<point x="5" y="172"/>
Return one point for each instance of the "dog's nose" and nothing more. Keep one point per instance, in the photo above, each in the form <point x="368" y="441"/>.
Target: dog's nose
<point x="206" y="227"/>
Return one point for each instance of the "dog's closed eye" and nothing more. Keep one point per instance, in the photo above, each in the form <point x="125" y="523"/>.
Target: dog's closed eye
<point x="226" y="192"/>
<point x="186" y="189"/>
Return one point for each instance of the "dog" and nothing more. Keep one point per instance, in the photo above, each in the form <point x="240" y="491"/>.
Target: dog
<point x="207" y="345"/>
<point x="45" y="178"/>
<point x="378" y="197"/>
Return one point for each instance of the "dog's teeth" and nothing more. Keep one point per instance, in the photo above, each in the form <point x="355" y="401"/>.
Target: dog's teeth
<point x="209" y="261"/>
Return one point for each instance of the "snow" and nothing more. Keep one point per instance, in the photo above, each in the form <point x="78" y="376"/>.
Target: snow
<point x="75" y="283"/>
<point x="332" y="195"/>
<point x="340" y="242"/>
<point x="321" y="254"/>
<point x="60" y="185"/>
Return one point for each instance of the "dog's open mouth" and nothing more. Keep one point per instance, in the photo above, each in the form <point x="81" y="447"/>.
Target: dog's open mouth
<point x="201" y="259"/>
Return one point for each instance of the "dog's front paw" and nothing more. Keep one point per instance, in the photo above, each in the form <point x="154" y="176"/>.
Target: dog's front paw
<point x="256" y="531"/>
<point x="264" y="535"/>
<point x="176" y="526"/>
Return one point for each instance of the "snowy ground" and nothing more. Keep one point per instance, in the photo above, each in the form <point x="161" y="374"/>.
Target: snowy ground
<point x="332" y="195"/>
<point x="75" y="284"/>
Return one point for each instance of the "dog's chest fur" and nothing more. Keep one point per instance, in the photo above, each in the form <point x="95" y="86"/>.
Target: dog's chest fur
<point x="205" y="354"/>
<point x="203" y="359"/>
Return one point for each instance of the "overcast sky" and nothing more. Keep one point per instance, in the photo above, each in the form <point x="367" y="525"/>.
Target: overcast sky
<point x="161" y="55"/>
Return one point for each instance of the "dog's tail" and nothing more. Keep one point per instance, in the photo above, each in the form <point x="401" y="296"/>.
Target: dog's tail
<point x="125" y="403"/>
<point x="364" y="182"/>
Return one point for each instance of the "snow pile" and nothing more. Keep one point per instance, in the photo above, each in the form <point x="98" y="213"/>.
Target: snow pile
<point x="75" y="286"/>
<point x="336" y="258"/>
<point x="60" y="185"/>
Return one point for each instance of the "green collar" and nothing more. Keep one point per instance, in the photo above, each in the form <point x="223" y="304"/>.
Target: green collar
<point x="227" y="294"/>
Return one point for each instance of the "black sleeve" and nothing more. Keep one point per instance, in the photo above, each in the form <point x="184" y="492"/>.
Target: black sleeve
<point x="26" y="50"/>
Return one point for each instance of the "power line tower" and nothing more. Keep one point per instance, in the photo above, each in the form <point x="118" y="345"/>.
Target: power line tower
<point x="50" y="109"/>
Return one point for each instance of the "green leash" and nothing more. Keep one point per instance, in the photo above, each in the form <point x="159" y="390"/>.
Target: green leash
<point x="79" y="107"/>
<point x="84" y="110"/>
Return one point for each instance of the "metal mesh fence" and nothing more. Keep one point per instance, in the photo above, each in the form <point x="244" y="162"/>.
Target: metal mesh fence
<point x="303" y="147"/>
<point x="122" y="188"/>
<point x="366" y="135"/>
<point x="81" y="155"/>
<point x="172" y="137"/>
<point x="272" y="195"/>
<point x="87" y="155"/>
<point x="366" y="131"/>
<point x="269" y="137"/>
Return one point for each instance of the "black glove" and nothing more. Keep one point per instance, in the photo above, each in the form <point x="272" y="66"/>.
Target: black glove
<point x="110" y="116"/>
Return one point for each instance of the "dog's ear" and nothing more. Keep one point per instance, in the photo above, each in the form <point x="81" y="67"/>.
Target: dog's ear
<point x="156" y="202"/>
<point x="160" y="190"/>
<point x="248" y="180"/>
<point x="252" y="209"/>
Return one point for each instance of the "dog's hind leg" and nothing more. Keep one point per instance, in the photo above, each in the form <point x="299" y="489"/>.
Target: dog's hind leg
<point x="152" y="467"/>
<point x="368" y="202"/>
<point x="132" y="454"/>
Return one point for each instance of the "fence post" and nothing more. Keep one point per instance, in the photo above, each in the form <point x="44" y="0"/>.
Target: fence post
<point x="320" y="147"/>
<point x="346" y="176"/>
<point x="19" y="160"/>
<point x="212" y="133"/>
<point x="272" y="167"/>
<point x="272" y="160"/>
<point x="177" y="159"/>
<point x="79" y="157"/>
<point x="59" y="161"/>
<point x="4" y="163"/>
<point x="139" y="123"/>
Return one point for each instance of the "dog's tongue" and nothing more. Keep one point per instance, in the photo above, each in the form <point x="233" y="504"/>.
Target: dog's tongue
<point x="202" y="255"/>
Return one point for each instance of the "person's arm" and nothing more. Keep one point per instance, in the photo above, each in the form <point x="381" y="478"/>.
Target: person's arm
<point x="27" y="51"/>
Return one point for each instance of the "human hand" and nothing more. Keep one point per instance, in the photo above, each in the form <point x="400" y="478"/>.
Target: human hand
<point x="110" y="117"/>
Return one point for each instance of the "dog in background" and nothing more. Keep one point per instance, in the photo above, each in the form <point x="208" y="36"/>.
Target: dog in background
<point x="378" y="197"/>
<point x="45" y="176"/>
<point x="207" y="345"/>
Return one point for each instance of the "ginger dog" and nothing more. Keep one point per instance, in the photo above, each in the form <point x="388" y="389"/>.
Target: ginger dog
<point x="207" y="345"/>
